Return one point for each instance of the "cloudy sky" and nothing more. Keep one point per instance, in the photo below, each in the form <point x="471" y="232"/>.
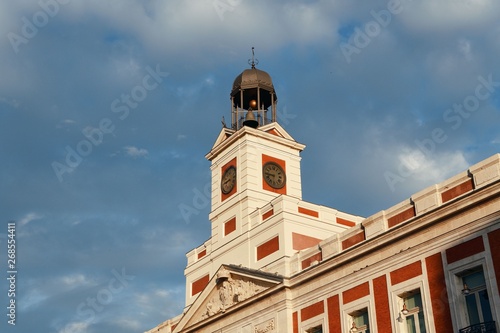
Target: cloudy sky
<point x="107" y="109"/>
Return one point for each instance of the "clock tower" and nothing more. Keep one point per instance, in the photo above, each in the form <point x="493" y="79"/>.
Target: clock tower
<point x="258" y="217"/>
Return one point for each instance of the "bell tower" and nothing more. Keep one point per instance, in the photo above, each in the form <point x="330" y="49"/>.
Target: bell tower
<point x="255" y="159"/>
<point x="253" y="99"/>
<point x="258" y="218"/>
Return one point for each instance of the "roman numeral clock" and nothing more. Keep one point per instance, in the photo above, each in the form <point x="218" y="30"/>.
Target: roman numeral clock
<point x="274" y="175"/>
<point x="228" y="180"/>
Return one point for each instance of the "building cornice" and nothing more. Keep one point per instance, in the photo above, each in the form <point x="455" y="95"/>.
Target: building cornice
<point x="260" y="133"/>
<point x="468" y="203"/>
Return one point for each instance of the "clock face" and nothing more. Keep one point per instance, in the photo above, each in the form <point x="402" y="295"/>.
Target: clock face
<point x="274" y="175"/>
<point x="228" y="180"/>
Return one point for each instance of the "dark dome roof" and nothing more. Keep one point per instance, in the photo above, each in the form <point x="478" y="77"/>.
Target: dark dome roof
<point x="252" y="78"/>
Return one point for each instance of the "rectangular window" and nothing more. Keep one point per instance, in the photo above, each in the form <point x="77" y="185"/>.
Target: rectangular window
<point x="413" y="312"/>
<point x="476" y="298"/>
<point x="360" y="322"/>
<point x="317" y="329"/>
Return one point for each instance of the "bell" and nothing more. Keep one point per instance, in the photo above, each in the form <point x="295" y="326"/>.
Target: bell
<point x="250" y="120"/>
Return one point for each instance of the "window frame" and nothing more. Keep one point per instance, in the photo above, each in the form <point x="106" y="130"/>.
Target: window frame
<point x="400" y="290"/>
<point x="413" y="312"/>
<point x="364" y="328"/>
<point x="356" y="306"/>
<point x="314" y="322"/>
<point x="455" y="272"/>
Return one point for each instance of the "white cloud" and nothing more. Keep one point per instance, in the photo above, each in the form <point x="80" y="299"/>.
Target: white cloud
<point x="33" y="297"/>
<point x="159" y="300"/>
<point x="309" y="22"/>
<point x="136" y="152"/>
<point x="464" y="46"/>
<point x="153" y="23"/>
<point x="65" y="124"/>
<point x="29" y="217"/>
<point x="145" y="299"/>
<point x="446" y="15"/>
<point x="40" y="291"/>
<point x="174" y="154"/>
<point x="435" y="168"/>
<point x="75" y="327"/>
<point x="161" y="292"/>
<point x="74" y="280"/>
<point x="128" y="323"/>
<point x="127" y="67"/>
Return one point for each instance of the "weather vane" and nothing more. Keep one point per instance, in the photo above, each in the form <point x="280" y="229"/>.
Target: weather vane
<point x="253" y="61"/>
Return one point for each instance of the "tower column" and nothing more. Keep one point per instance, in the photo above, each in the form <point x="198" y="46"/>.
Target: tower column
<point x="258" y="104"/>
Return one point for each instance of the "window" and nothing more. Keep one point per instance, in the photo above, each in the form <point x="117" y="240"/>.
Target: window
<point x="316" y="329"/>
<point x="469" y="294"/>
<point x="360" y="321"/>
<point x="477" y="302"/>
<point x="413" y="314"/>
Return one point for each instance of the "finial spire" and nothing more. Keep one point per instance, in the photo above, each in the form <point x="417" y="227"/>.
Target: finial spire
<point x="253" y="61"/>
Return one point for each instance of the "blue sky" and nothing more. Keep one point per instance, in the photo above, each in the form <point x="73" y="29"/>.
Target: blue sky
<point x="107" y="109"/>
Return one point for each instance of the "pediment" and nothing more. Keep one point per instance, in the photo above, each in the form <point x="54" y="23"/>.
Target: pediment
<point x="276" y="129"/>
<point x="223" y="135"/>
<point x="273" y="132"/>
<point x="230" y="286"/>
<point x="272" y="128"/>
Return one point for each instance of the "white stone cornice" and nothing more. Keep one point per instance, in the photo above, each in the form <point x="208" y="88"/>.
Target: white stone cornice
<point x="261" y="132"/>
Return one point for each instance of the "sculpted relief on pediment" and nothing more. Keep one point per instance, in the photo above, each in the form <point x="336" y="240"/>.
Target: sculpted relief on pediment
<point x="231" y="289"/>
